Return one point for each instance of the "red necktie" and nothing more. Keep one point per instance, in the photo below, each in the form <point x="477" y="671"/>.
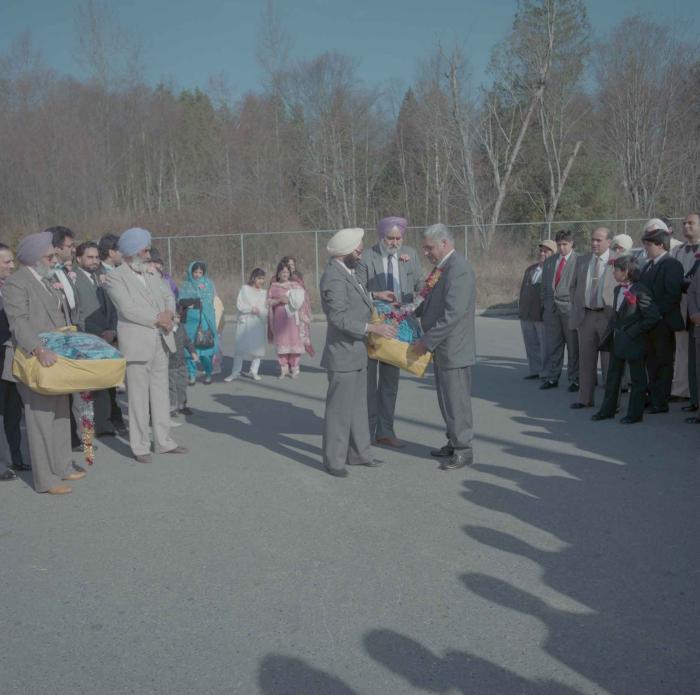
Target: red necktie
<point x="560" y="270"/>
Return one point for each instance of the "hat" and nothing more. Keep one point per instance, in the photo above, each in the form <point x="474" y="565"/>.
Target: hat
<point x="655" y="225"/>
<point x="623" y="240"/>
<point x="134" y="240"/>
<point x="345" y="241"/>
<point x="33" y="247"/>
<point x="548" y="244"/>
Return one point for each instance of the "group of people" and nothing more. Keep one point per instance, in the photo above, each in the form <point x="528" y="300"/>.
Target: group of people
<point x="637" y="311"/>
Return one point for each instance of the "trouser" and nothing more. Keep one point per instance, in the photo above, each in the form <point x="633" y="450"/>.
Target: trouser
<point x="205" y="362"/>
<point x="11" y="409"/>
<point x="345" y="428"/>
<point x="693" y="389"/>
<point x="382" y="389"/>
<point x="637" y="390"/>
<point x="558" y="336"/>
<point x="455" y="401"/>
<point x="590" y="332"/>
<point x="115" y="412"/>
<point x="290" y="360"/>
<point x="533" y="337"/>
<point x="147" y="384"/>
<point x="48" y="433"/>
<point x="661" y="342"/>
<point x="177" y="382"/>
<point x="238" y="365"/>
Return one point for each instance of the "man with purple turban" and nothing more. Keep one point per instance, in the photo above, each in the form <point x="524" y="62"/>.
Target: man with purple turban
<point x="35" y="303"/>
<point x="146" y="322"/>
<point x="388" y="266"/>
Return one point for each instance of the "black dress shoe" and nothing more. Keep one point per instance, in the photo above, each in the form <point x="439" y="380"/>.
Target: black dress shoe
<point x="690" y="408"/>
<point x="372" y="463"/>
<point x="601" y="416"/>
<point x="446" y="450"/>
<point x="185" y="411"/>
<point x="21" y="466"/>
<point x="531" y="376"/>
<point x="8" y="475"/>
<point x="693" y="420"/>
<point x="656" y="409"/>
<point x="573" y="387"/>
<point x="578" y="406"/>
<point x="337" y="472"/>
<point x="108" y="433"/>
<point x="458" y="460"/>
<point x="627" y="420"/>
<point x="549" y="384"/>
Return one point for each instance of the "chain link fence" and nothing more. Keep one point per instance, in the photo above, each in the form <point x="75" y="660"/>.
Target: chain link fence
<point x="231" y="257"/>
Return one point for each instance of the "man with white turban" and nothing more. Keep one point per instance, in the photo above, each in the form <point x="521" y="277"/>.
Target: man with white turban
<point x="146" y="320"/>
<point x="348" y="309"/>
<point x="34" y="304"/>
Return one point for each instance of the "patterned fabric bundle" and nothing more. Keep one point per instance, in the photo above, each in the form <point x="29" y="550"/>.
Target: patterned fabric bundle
<point x="79" y="346"/>
<point x="407" y="327"/>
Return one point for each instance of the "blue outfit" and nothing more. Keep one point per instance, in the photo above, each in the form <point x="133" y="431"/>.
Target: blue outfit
<point x="204" y="290"/>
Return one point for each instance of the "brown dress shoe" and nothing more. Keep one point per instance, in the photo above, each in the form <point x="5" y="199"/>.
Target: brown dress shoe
<point x="75" y="475"/>
<point x="178" y="450"/>
<point x="60" y="490"/>
<point x="143" y="458"/>
<point x="391" y="441"/>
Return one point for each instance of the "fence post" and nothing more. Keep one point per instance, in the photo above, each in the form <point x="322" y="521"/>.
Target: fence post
<point x="466" y="243"/>
<point x="242" y="260"/>
<point x="549" y="229"/>
<point x="170" y="257"/>
<point x="625" y="225"/>
<point x="316" y="255"/>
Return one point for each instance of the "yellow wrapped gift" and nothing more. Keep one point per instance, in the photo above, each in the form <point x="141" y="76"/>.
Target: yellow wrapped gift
<point x="396" y="352"/>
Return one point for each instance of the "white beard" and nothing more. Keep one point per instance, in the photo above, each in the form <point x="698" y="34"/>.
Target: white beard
<point x="140" y="266"/>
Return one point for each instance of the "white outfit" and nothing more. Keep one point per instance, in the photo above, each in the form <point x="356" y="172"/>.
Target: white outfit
<point x="251" y="329"/>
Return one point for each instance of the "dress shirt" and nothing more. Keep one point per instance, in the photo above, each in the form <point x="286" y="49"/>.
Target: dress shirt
<point x="602" y="269"/>
<point x="62" y="277"/>
<point x="566" y="258"/>
<point x="444" y="259"/>
<point x="395" y="266"/>
<point x="536" y="275"/>
<point x="621" y="296"/>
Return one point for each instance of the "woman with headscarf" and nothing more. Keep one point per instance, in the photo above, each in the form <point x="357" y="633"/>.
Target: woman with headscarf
<point x="200" y="323"/>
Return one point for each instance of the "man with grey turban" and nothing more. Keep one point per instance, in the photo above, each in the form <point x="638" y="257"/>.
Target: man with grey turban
<point x="34" y="304"/>
<point x="146" y="321"/>
<point x="387" y="267"/>
<point x="348" y="309"/>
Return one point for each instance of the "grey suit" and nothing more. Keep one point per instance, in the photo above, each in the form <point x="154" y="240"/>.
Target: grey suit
<point x="33" y="307"/>
<point x="557" y="331"/>
<point x="138" y="300"/>
<point x="382" y="378"/>
<point x="531" y="324"/>
<point x="447" y="319"/>
<point x="348" y="309"/>
<point x="694" y="308"/>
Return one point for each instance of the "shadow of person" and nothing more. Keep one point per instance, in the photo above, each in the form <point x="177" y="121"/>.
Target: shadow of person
<point x="455" y="670"/>
<point x="285" y="675"/>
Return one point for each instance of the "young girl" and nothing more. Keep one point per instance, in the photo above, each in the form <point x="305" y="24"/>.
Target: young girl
<point x="251" y="325"/>
<point x="625" y="338"/>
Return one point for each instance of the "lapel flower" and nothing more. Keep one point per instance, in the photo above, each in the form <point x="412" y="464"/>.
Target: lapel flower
<point x="72" y="275"/>
<point x="611" y="261"/>
<point x="697" y="255"/>
<point x="57" y="285"/>
<point x="630" y="297"/>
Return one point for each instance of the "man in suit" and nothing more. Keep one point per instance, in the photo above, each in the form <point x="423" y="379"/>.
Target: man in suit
<point x="96" y="316"/>
<point x="35" y="303"/>
<point x="694" y="318"/>
<point x="387" y="266"/>
<point x="591" y="292"/>
<point x="146" y="315"/>
<point x="557" y="273"/>
<point x="663" y="276"/>
<point x="447" y="320"/>
<point x="685" y="380"/>
<point x="530" y="310"/>
<point x="348" y="309"/>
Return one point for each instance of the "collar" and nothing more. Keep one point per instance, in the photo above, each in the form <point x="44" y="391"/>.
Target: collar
<point x="107" y="266"/>
<point x="342" y="265"/>
<point x="444" y="259"/>
<point x="658" y="258"/>
<point x="603" y="257"/>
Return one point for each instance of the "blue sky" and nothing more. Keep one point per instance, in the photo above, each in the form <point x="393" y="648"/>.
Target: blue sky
<point x="189" y="42"/>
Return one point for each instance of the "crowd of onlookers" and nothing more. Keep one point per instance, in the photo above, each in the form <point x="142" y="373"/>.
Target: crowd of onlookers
<point x="634" y="310"/>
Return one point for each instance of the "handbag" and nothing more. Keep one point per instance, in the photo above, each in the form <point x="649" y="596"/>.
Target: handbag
<point x="203" y="337"/>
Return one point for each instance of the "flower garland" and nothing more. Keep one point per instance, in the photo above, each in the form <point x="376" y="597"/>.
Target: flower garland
<point x="430" y="282"/>
<point x="86" y="411"/>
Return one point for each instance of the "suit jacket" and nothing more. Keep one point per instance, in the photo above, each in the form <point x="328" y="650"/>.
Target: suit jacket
<point x="370" y="272"/>
<point x="626" y="332"/>
<point x="665" y="282"/>
<point x="96" y="313"/>
<point x="31" y="309"/>
<point x="447" y="315"/>
<point x="577" y="290"/>
<point x="557" y="298"/>
<point x="348" y="309"/>
<point x="5" y="335"/>
<point x="530" y="300"/>
<point x="694" y="301"/>
<point x="137" y="306"/>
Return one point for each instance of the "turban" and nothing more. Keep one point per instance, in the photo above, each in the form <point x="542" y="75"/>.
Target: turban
<point x="548" y="244"/>
<point x="345" y="241"/>
<point x="623" y="240"/>
<point x="134" y="240"/>
<point x="33" y="247"/>
<point x="655" y="225"/>
<point x="388" y="223"/>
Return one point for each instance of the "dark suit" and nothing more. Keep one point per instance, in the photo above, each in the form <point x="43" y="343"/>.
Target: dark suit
<point x="531" y="324"/>
<point x="626" y="340"/>
<point x="382" y="378"/>
<point x="664" y="280"/>
<point x="10" y="402"/>
<point x="447" y="320"/>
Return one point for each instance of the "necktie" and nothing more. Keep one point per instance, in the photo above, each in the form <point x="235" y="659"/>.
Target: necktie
<point x="390" y="272"/>
<point x="595" y="282"/>
<point x="560" y="270"/>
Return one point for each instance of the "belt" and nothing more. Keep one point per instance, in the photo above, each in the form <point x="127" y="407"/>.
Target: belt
<point x="601" y="309"/>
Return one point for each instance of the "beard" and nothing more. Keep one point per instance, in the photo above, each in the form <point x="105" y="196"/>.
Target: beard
<point x="140" y="266"/>
<point x="350" y="261"/>
<point x="43" y="271"/>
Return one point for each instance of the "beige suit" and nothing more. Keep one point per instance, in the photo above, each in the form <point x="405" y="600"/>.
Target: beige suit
<point x="590" y="321"/>
<point x="32" y="308"/>
<point x="139" y="298"/>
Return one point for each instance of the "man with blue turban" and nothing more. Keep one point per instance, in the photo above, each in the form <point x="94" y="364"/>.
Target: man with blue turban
<point x="146" y="321"/>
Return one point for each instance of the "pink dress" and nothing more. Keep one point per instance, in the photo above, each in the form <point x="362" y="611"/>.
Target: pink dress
<point x="289" y="331"/>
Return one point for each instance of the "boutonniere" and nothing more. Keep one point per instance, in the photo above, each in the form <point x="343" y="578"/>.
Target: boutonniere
<point x="57" y="286"/>
<point x="72" y="275"/>
<point x="697" y="255"/>
<point x="630" y="297"/>
<point x="611" y="261"/>
<point x="201" y="286"/>
<point x="404" y="258"/>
